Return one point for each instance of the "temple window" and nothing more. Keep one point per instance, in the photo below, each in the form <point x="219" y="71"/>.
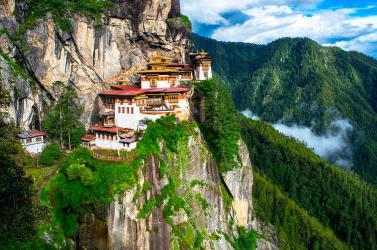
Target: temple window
<point x="153" y="83"/>
<point x="123" y="110"/>
<point x="172" y="81"/>
<point x="173" y="98"/>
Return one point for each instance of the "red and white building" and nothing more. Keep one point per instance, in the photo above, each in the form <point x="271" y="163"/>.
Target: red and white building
<point x="125" y="108"/>
<point x="33" y="141"/>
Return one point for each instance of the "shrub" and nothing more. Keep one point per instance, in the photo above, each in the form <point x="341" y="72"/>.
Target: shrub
<point x="80" y="171"/>
<point x="147" y="186"/>
<point x="147" y="208"/>
<point x="50" y="154"/>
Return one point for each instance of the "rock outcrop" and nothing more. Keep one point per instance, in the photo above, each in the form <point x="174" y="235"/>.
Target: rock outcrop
<point x="198" y="175"/>
<point x="88" y="58"/>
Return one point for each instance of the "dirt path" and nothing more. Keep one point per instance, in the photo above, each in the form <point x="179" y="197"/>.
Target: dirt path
<point x="47" y="179"/>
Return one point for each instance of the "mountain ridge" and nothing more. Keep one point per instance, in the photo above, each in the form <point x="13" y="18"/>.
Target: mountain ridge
<point x="297" y="81"/>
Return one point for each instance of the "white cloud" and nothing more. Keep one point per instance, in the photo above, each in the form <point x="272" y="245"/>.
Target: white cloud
<point x="332" y="146"/>
<point x="210" y="11"/>
<point x="249" y="114"/>
<point x="268" y="23"/>
<point x="365" y="43"/>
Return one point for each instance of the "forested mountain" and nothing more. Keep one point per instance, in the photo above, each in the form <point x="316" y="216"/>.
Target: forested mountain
<point x="297" y="81"/>
<point x="337" y="198"/>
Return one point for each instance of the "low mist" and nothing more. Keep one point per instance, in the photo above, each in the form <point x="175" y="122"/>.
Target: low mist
<point x="333" y="145"/>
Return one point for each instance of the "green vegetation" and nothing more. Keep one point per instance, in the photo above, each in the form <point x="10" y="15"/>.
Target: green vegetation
<point x="337" y="198"/>
<point x="61" y="12"/>
<point x="246" y="239"/>
<point x="163" y="168"/>
<point x="185" y="20"/>
<point x="63" y="122"/>
<point x="300" y="82"/>
<point x="220" y="125"/>
<point x="147" y="208"/>
<point x="19" y="216"/>
<point x="182" y="21"/>
<point x="15" y="66"/>
<point x="296" y="229"/>
<point x="51" y="154"/>
<point x="84" y="184"/>
<point x="39" y="174"/>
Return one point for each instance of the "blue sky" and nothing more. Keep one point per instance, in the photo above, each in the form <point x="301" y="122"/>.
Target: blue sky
<point x="349" y="24"/>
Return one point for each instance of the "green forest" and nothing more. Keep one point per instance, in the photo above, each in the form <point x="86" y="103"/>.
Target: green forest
<point x="297" y="81"/>
<point x="338" y="199"/>
<point x="293" y="187"/>
<point x="296" y="229"/>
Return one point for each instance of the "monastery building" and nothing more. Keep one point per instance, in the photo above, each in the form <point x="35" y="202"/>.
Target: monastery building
<point x="163" y="90"/>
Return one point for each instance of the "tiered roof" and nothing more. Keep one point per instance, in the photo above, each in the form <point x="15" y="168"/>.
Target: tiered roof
<point x="200" y="56"/>
<point x="161" y="64"/>
<point x="129" y="90"/>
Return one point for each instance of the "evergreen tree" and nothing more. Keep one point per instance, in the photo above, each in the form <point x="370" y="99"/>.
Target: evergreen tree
<point x="219" y="123"/>
<point x="63" y="122"/>
<point x="17" y="217"/>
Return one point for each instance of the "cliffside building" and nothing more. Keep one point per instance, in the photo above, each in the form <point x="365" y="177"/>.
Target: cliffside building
<point x="33" y="141"/>
<point x="202" y="63"/>
<point x="163" y="90"/>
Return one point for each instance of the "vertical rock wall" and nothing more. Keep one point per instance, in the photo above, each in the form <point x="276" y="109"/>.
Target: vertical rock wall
<point x="88" y="58"/>
<point x="126" y="231"/>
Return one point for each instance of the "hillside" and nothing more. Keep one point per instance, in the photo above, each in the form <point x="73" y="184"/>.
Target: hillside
<point x="297" y="81"/>
<point x="337" y="198"/>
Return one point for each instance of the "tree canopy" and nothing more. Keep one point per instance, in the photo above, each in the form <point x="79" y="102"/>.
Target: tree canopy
<point x="63" y="121"/>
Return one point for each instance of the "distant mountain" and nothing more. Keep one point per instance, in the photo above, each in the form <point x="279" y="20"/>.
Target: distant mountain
<point x="297" y="81"/>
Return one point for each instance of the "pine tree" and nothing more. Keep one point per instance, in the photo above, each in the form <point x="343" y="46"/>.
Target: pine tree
<point x="63" y="122"/>
<point x="17" y="217"/>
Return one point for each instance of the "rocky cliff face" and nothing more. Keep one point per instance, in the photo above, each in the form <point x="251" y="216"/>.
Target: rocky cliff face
<point x="89" y="58"/>
<point x="194" y="168"/>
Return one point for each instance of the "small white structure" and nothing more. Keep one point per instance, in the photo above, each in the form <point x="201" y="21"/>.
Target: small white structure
<point x="111" y="138"/>
<point x="203" y="65"/>
<point x="88" y="141"/>
<point x="33" y="141"/>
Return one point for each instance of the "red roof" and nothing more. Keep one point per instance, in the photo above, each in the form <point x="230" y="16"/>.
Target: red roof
<point x="132" y="91"/>
<point x="88" y="137"/>
<point x="106" y="129"/>
<point x="125" y="87"/>
<point x="124" y="91"/>
<point x="187" y="69"/>
<point x="36" y="133"/>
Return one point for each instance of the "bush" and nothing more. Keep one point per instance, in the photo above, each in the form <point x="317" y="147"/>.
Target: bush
<point x="80" y="171"/>
<point x="84" y="182"/>
<point x="50" y="154"/>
